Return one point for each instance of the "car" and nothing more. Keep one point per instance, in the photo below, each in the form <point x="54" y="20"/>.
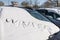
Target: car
<point x="56" y="10"/>
<point x="24" y="24"/>
<point x="51" y="15"/>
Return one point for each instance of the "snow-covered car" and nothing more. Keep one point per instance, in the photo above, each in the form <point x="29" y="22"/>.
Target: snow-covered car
<point x="56" y="10"/>
<point x="51" y="15"/>
<point x="22" y="24"/>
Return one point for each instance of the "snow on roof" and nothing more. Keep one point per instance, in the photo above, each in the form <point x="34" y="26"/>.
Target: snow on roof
<point x="16" y="13"/>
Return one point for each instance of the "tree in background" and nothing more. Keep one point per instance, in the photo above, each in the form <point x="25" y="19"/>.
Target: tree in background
<point x="1" y="3"/>
<point x="25" y="4"/>
<point x="15" y="4"/>
<point x="55" y="2"/>
<point x="51" y="3"/>
<point x="30" y="4"/>
<point x="36" y="4"/>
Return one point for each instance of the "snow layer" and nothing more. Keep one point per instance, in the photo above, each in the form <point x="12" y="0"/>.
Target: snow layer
<point x="18" y="24"/>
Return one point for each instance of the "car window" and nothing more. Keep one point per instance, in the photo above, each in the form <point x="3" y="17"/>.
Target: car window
<point x="42" y="11"/>
<point x="52" y="15"/>
<point x="37" y="15"/>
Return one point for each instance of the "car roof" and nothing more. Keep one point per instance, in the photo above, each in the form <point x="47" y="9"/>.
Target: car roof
<point x="51" y="10"/>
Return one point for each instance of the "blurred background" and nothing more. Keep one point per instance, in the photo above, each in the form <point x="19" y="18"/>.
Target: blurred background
<point x="31" y="3"/>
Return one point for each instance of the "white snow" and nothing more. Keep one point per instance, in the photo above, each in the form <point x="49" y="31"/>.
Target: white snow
<point x="18" y="24"/>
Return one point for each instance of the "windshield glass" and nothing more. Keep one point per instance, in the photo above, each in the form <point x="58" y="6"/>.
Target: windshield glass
<point x="37" y="15"/>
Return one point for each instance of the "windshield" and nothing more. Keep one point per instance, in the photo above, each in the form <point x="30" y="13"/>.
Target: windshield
<point x="37" y="15"/>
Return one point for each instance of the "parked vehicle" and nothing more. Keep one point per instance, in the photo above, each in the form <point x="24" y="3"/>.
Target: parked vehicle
<point x="24" y="24"/>
<point x="51" y="15"/>
<point x="56" y="10"/>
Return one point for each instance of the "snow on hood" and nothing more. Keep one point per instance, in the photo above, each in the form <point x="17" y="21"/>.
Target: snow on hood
<point x="18" y="24"/>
